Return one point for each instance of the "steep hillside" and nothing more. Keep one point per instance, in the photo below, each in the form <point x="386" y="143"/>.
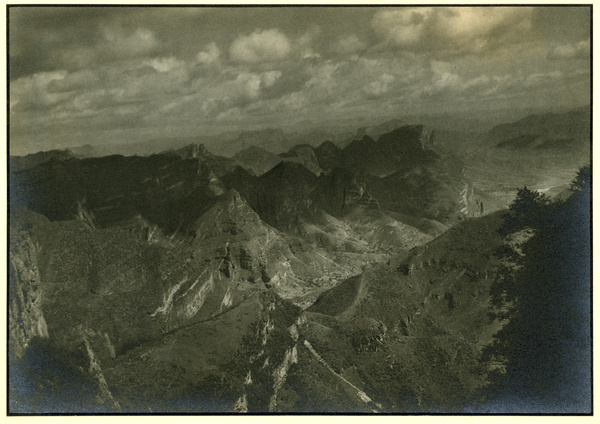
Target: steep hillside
<point x="148" y="306"/>
<point x="412" y="331"/>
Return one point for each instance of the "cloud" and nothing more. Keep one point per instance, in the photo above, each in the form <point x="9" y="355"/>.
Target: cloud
<point x="443" y="80"/>
<point x="81" y="80"/>
<point x="164" y="64"/>
<point x="452" y="29"/>
<point x="304" y="44"/>
<point x="349" y="44"/>
<point x="31" y="93"/>
<point x="113" y="45"/>
<point x="542" y="78"/>
<point x="260" y="46"/>
<point x="210" y="98"/>
<point x="379" y="87"/>
<point x="402" y="27"/>
<point x="141" y="42"/>
<point x="250" y="85"/>
<point x="580" y="50"/>
<point x="209" y="55"/>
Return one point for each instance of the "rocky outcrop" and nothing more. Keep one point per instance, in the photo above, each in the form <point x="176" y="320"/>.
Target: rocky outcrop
<point x="26" y="319"/>
<point x="104" y="396"/>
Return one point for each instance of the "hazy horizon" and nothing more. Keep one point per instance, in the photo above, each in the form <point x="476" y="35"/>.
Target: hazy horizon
<point x="89" y="75"/>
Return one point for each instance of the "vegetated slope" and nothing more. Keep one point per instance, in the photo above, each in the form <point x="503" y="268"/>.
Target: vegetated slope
<point x="411" y="332"/>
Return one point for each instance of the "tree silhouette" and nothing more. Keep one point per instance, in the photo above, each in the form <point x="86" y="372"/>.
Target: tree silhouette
<point x="547" y="341"/>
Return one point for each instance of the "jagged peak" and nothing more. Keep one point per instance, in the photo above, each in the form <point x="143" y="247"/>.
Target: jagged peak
<point x="252" y="150"/>
<point x="364" y="141"/>
<point x="407" y="135"/>
<point x="241" y="172"/>
<point x="298" y="149"/>
<point x="289" y="169"/>
<point x="328" y="146"/>
<point x="192" y="151"/>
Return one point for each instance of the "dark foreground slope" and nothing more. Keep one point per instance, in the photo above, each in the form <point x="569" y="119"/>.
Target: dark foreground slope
<point x="547" y="298"/>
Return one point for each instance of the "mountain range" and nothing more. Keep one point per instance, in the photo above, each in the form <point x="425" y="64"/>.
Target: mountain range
<point x="349" y="274"/>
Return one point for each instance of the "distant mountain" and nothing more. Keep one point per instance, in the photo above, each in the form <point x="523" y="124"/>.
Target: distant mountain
<point x="271" y="139"/>
<point x="163" y="188"/>
<point x="303" y="154"/>
<point x="140" y="148"/>
<point x="21" y="163"/>
<point x="385" y="127"/>
<point x="569" y="132"/>
<point x="256" y="159"/>
<point x="401" y="173"/>
<point x="401" y="147"/>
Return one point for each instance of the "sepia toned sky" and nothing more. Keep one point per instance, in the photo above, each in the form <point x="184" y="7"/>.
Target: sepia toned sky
<point x="109" y="75"/>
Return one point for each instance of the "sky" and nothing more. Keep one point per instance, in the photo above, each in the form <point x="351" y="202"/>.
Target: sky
<point x="93" y="75"/>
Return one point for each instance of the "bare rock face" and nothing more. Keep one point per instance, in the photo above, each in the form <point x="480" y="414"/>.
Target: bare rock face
<point x="25" y="294"/>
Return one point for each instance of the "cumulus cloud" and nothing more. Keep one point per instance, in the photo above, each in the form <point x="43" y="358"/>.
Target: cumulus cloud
<point x="141" y="42"/>
<point x="32" y="92"/>
<point x="443" y="80"/>
<point x="260" y="46"/>
<point x="174" y="70"/>
<point x="379" y="87"/>
<point x="164" y="64"/>
<point x="580" y="50"/>
<point x="447" y="81"/>
<point x="115" y="44"/>
<point x="209" y="55"/>
<point x="402" y="27"/>
<point x="249" y="85"/>
<point x="540" y="78"/>
<point x="304" y="44"/>
<point x="453" y="29"/>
